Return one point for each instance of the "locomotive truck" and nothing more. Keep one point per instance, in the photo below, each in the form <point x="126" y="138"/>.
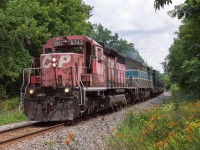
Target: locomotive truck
<point x="79" y="76"/>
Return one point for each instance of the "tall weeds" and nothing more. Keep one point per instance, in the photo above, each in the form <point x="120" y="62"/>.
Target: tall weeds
<point x="174" y="126"/>
<point x="9" y="112"/>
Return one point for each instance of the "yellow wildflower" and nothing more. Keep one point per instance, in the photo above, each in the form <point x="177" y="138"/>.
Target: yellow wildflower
<point x="113" y="130"/>
<point x="144" y="132"/>
<point x="159" y="117"/>
<point x="151" y="127"/>
<point x="189" y="128"/>
<point x="139" y="139"/>
<point x="171" y="124"/>
<point x="191" y="117"/>
<point x="149" y="123"/>
<point x="198" y="103"/>
<point x="157" y="107"/>
<point x="159" y="144"/>
<point x="171" y="134"/>
<point x="71" y="136"/>
<point x="119" y="136"/>
<point x="153" y="118"/>
<point x="188" y="138"/>
<point x="67" y="142"/>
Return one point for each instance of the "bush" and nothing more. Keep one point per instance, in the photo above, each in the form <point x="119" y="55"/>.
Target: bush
<point x="167" y="82"/>
<point x="9" y="112"/>
<point x="11" y="104"/>
<point x="174" y="126"/>
<point x="174" y="89"/>
<point x="12" y="116"/>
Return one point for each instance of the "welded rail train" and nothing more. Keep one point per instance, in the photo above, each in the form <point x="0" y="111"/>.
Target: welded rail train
<point x="78" y="76"/>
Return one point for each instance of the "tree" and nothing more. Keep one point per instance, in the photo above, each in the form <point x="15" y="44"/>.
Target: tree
<point x="183" y="62"/>
<point x="26" y="25"/>
<point x="161" y="3"/>
<point x="101" y="34"/>
<point x="189" y="9"/>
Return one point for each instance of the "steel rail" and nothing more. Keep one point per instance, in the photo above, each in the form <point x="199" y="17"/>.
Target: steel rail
<point x="28" y="135"/>
<point x="16" y="128"/>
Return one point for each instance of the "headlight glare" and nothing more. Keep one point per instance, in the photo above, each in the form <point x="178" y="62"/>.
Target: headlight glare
<point x="31" y="91"/>
<point x="67" y="90"/>
<point x="54" y="59"/>
<point x="54" y="65"/>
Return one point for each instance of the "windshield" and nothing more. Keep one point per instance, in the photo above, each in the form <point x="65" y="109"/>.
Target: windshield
<point x="74" y="49"/>
<point x="64" y="49"/>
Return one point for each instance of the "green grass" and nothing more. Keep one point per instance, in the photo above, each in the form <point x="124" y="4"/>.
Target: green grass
<point x="175" y="126"/>
<point x="9" y="112"/>
<point x="12" y="116"/>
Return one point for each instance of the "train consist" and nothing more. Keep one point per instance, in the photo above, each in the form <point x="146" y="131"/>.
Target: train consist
<point x="78" y="76"/>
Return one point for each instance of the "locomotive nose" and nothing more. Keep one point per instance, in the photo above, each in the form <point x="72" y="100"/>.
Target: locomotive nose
<point x="48" y="105"/>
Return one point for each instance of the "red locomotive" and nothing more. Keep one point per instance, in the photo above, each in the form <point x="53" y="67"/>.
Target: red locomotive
<point x="78" y="76"/>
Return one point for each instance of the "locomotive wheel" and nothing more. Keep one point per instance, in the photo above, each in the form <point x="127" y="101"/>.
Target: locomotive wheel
<point x="70" y="123"/>
<point x="152" y="94"/>
<point x="128" y="97"/>
<point x="85" y="116"/>
<point x="133" y="98"/>
<point x="141" y="96"/>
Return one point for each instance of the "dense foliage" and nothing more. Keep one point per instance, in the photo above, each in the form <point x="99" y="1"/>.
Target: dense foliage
<point x="101" y="34"/>
<point x="26" y="25"/>
<point x="161" y="3"/>
<point x="183" y="62"/>
<point x="9" y="112"/>
<point x="174" y="126"/>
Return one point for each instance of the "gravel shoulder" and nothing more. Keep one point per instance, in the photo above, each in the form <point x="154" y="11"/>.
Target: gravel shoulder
<point x="87" y="135"/>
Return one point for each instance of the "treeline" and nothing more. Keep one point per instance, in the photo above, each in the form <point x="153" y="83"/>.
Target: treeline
<point x="26" y="25"/>
<point x="101" y="34"/>
<point x="182" y="65"/>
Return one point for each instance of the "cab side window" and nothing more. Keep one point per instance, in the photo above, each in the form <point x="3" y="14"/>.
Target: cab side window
<point x="48" y="50"/>
<point x="99" y="54"/>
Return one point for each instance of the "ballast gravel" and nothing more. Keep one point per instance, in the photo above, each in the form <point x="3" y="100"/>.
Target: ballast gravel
<point x="86" y="135"/>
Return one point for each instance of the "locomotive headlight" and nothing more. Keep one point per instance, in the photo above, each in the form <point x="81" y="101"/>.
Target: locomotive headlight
<point x="54" y="64"/>
<point x="54" y="59"/>
<point x="67" y="90"/>
<point x="31" y="91"/>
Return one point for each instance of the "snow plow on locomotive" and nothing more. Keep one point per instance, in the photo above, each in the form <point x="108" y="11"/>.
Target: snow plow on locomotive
<point x="78" y="76"/>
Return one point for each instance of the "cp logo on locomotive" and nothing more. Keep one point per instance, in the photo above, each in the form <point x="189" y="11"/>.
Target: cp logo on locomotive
<point x="46" y="63"/>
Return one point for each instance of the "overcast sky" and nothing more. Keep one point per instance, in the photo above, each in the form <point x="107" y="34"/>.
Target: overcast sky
<point x="152" y="32"/>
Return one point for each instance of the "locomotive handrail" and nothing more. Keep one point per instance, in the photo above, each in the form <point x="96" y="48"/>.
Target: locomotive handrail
<point x="112" y="78"/>
<point x="23" y="83"/>
<point x="22" y="94"/>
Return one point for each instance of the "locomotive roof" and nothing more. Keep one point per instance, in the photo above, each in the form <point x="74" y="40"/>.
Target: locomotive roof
<point x="82" y="37"/>
<point x="111" y="51"/>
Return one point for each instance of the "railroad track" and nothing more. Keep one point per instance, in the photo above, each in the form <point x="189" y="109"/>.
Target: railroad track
<point x="27" y="131"/>
<point x="13" y="135"/>
<point x="24" y="132"/>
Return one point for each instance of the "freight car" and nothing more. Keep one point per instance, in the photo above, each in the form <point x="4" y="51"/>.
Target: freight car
<point x="78" y="76"/>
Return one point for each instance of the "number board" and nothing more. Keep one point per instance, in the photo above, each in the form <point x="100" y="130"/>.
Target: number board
<point x="58" y="43"/>
<point x="76" y="42"/>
